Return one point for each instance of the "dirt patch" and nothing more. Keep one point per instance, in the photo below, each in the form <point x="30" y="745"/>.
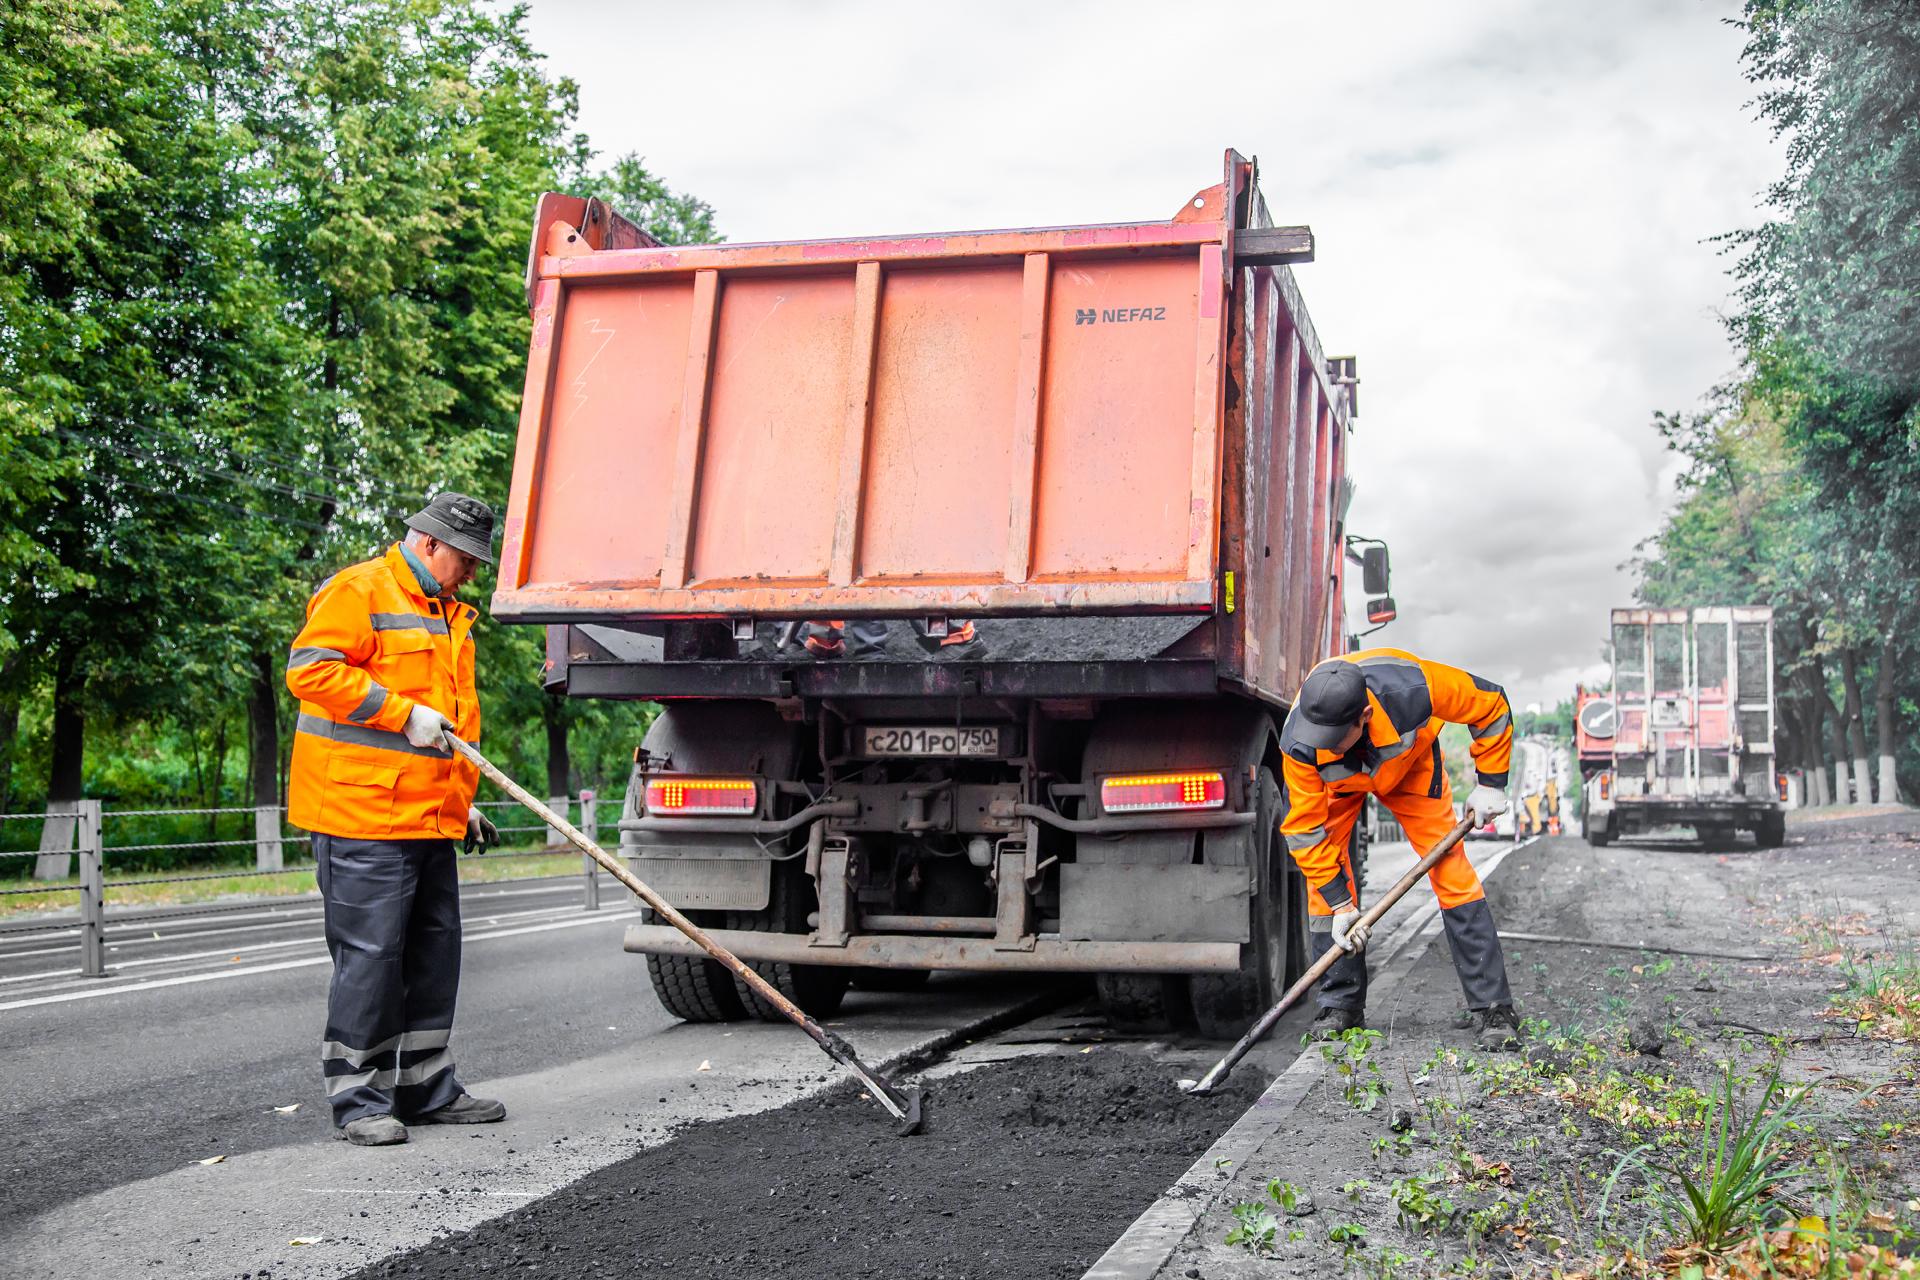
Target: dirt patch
<point x="1427" y="1157"/>
<point x="1024" y="1169"/>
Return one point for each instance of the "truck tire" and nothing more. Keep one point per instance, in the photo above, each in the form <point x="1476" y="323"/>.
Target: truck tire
<point x="1772" y="831"/>
<point x="694" y="988"/>
<point x="817" y="988"/>
<point x="1599" y="835"/>
<point x="890" y="979"/>
<point x="1225" y="1004"/>
<point x="1144" y="1001"/>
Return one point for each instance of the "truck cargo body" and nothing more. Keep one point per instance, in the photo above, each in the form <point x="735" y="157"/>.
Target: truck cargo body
<point x="1117" y="451"/>
<point x="1688" y="729"/>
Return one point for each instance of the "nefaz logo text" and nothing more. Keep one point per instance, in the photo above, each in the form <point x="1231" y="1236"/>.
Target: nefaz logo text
<point x="1117" y="315"/>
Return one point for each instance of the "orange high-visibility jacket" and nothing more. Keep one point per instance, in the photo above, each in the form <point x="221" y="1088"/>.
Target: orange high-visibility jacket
<point x="374" y="645"/>
<point x="1411" y="697"/>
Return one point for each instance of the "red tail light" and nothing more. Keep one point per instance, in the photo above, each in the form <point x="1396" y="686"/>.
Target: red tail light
<point x="1606" y="785"/>
<point x="1160" y="792"/>
<point x="1780" y="781"/>
<point x="691" y="797"/>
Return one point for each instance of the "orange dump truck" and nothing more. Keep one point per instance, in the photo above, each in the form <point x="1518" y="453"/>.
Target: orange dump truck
<point x="974" y="573"/>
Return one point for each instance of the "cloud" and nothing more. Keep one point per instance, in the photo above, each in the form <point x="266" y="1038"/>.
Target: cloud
<point x="1513" y="202"/>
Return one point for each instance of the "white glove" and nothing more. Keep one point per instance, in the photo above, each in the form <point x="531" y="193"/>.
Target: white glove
<point x="1486" y="803"/>
<point x="1348" y="933"/>
<point x="427" y="728"/>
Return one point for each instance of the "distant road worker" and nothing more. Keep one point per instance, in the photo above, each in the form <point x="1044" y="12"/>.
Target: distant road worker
<point x="383" y="670"/>
<point x="1368" y="723"/>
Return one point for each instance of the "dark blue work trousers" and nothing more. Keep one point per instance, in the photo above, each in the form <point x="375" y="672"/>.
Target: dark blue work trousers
<point x="393" y="926"/>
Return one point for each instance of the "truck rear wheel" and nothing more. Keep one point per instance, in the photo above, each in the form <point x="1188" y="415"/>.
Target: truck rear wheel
<point x="694" y="988"/>
<point x="1772" y="831"/>
<point x="818" y="989"/>
<point x="1599" y="835"/>
<point x="1144" y="1001"/>
<point x="1225" y="1004"/>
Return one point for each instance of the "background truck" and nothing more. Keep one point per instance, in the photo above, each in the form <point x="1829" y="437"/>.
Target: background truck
<point x="1117" y="451"/>
<point x="1685" y="739"/>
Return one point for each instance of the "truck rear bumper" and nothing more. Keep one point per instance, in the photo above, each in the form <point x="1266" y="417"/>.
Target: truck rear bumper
<point x="893" y="951"/>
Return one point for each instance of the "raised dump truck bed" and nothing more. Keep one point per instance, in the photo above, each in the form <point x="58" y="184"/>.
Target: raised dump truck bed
<point x="1104" y="465"/>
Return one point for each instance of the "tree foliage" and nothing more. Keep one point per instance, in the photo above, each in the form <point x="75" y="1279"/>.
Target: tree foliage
<point x="261" y="292"/>
<point x="1801" y="485"/>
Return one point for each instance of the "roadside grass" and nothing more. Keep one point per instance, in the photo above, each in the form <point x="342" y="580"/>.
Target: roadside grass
<point x="217" y="882"/>
<point x="1740" y="1178"/>
<point x="1882" y="997"/>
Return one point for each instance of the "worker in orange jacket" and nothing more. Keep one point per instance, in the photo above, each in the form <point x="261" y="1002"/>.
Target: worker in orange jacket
<point x="1368" y="723"/>
<point x="384" y="669"/>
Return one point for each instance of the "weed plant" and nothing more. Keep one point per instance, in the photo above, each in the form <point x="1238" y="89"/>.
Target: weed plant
<point x="1714" y="1201"/>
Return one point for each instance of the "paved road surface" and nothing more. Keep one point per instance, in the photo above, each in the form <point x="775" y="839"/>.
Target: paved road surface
<point x="112" y="1089"/>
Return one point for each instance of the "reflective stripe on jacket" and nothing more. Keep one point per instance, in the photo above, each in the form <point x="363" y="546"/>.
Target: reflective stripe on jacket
<point x="373" y="646"/>
<point x="1411" y="698"/>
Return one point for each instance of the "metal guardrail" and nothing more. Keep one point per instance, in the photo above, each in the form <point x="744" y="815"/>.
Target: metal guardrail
<point x="90" y="847"/>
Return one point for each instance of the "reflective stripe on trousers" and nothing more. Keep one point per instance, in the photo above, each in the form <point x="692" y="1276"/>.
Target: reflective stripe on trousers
<point x="1423" y="803"/>
<point x="393" y="928"/>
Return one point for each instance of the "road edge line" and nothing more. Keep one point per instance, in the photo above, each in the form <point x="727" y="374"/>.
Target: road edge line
<point x="1149" y="1243"/>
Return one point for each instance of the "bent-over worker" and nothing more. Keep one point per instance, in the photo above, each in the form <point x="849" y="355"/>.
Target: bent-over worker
<point x="1368" y="723"/>
<point x="383" y="669"/>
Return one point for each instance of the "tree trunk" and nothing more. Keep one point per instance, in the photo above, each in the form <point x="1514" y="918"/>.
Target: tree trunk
<point x="1856" y="726"/>
<point x="263" y="751"/>
<point x="1813" y="761"/>
<point x="1837" y="734"/>
<point x="64" y="774"/>
<point x="1883" y="711"/>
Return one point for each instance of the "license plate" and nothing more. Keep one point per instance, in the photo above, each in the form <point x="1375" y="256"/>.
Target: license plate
<point x="930" y="740"/>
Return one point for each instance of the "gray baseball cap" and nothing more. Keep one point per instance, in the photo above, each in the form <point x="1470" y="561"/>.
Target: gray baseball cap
<point x="1331" y="700"/>
<point x="463" y="523"/>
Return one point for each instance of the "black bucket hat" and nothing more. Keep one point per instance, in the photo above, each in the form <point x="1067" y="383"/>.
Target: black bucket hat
<point x="1332" y="698"/>
<point x="463" y="523"/>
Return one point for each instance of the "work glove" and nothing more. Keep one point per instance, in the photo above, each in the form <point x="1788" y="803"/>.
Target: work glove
<point x="1486" y="803"/>
<point x="482" y="835"/>
<point x="427" y="728"/>
<point x="1348" y="933"/>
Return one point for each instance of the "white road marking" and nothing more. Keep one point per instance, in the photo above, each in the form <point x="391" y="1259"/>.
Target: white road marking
<point x="217" y="974"/>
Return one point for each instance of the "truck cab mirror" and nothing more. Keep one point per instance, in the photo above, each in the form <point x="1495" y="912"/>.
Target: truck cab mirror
<point x="1373" y="571"/>
<point x="1380" y="612"/>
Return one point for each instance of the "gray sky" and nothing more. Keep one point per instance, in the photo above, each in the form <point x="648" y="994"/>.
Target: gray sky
<point x="1511" y="200"/>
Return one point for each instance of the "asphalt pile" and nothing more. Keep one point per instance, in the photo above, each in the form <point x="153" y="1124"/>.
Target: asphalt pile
<point x="1029" y="1168"/>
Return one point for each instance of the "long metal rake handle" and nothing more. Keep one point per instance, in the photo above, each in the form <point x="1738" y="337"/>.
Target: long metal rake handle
<point x="890" y="1096"/>
<point x="1221" y="1069"/>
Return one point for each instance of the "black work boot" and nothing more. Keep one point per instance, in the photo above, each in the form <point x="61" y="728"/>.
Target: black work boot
<point x="373" y="1131"/>
<point x="1329" y="1024"/>
<point x="466" y="1109"/>
<point x="1499" y="1028"/>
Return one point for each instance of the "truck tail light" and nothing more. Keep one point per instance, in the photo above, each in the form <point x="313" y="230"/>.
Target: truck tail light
<point x="691" y="797"/>
<point x="1780" y="785"/>
<point x="1606" y="785"/>
<point x="1162" y="792"/>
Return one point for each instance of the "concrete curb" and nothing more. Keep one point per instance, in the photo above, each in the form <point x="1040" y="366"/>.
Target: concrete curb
<point x="1149" y="1243"/>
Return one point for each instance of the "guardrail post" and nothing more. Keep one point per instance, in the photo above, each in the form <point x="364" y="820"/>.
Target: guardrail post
<point x="268" y="854"/>
<point x="590" y="827"/>
<point x="93" y="947"/>
<point x="559" y="804"/>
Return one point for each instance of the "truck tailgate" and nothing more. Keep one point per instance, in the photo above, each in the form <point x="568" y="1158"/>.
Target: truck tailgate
<point x="1009" y="422"/>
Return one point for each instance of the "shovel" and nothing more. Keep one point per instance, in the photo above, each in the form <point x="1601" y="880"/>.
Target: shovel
<point x="903" y="1104"/>
<point x="1221" y="1069"/>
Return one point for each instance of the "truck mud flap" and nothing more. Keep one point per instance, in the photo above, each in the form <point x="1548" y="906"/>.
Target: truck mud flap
<point x="728" y="884"/>
<point x="1145" y="902"/>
